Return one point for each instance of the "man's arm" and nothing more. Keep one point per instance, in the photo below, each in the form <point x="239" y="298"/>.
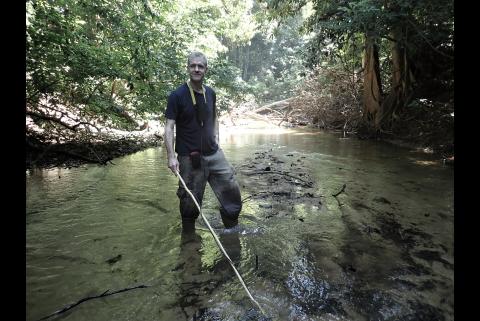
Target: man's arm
<point x="172" y="159"/>
<point x="216" y="122"/>
<point x="217" y="135"/>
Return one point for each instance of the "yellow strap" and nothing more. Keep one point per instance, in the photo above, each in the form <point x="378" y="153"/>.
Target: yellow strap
<point x="193" y="96"/>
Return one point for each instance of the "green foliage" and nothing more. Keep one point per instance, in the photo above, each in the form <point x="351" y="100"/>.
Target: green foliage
<point x="115" y="58"/>
<point x="77" y="50"/>
<point x="338" y="28"/>
<point x="272" y="63"/>
<point x="230" y="87"/>
<point x="120" y="59"/>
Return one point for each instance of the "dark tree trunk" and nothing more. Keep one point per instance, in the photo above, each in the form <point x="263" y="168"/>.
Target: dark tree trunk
<point x="402" y="78"/>
<point x="372" y="88"/>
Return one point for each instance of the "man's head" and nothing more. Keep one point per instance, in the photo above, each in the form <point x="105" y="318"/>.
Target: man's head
<point x="197" y="66"/>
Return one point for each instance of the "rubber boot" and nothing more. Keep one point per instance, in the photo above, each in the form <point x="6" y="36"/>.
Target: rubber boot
<point x="188" y="226"/>
<point x="229" y="222"/>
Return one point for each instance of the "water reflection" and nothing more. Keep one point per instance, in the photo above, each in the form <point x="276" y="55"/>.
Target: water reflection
<point x="190" y="268"/>
<point x="198" y="281"/>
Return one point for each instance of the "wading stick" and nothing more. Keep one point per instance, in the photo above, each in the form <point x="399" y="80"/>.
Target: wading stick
<point x="218" y="243"/>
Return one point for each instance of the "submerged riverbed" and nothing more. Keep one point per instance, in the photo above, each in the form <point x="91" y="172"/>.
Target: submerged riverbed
<point x="381" y="250"/>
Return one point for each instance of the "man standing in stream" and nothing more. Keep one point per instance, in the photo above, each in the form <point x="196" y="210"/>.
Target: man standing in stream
<point x="192" y="109"/>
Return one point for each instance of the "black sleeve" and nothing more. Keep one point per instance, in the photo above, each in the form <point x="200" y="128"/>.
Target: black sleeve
<point x="172" y="107"/>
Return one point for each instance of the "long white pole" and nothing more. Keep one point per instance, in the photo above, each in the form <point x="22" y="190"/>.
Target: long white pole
<point x="218" y="242"/>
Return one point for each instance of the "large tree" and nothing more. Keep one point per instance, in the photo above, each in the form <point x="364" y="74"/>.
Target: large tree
<point x="420" y="38"/>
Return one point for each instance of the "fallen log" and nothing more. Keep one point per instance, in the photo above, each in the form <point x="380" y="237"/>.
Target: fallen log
<point x="281" y="104"/>
<point x="258" y="117"/>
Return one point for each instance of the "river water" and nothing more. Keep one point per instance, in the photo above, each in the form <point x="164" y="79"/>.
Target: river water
<point x="381" y="250"/>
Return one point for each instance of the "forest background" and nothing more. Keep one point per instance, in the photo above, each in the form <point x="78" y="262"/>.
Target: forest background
<point x="96" y="70"/>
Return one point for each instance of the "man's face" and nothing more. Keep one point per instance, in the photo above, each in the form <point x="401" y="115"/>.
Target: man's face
<point x="197" y="69"/>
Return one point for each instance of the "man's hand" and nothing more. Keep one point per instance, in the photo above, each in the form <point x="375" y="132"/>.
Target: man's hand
<point x="173" y="164"/>
<point x="172" y="159"/>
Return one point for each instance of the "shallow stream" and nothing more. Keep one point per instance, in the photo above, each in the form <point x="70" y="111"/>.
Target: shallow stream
<point x="381" y="250"/>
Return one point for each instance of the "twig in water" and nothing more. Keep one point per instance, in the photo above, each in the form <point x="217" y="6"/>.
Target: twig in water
<point x="341" y="191"/>
<point x="339" y="204"/>
<point x="104" y="294"/>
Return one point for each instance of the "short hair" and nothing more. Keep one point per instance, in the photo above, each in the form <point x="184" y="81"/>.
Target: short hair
<point x="196" y="54"/>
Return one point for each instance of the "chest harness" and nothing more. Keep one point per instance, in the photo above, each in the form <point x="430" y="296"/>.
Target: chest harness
<point x="193" y="95"/>
<point x="194" y="101"/>
<point x="199" y="112"/>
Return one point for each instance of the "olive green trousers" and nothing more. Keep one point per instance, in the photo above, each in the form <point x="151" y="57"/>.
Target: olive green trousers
<point x="215" y="170"/>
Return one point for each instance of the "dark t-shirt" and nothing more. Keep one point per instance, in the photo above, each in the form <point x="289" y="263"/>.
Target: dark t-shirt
<point x="190" y="134"/>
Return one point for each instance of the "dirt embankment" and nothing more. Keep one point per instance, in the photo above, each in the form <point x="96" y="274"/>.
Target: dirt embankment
<point x="73" y="154"/>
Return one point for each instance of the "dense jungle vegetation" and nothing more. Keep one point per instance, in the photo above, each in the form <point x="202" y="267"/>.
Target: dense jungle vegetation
<point x="98" y="71"/>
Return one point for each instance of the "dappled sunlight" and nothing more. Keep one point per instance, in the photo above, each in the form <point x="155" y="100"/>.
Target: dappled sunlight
<point x="244" y="122"/>
<point x="210" y="253"/>
<point x="425" y="160"/>
<point x="258" y="130"/>
<point x="313" y="133"/>
<point x="426" y="163"/>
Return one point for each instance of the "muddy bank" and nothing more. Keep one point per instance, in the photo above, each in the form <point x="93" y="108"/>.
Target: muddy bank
<point x="73" y="154"/>
<point x="277" y="185"/>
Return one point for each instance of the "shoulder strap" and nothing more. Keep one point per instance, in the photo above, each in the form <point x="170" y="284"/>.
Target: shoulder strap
<point x="194" y="101"/>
